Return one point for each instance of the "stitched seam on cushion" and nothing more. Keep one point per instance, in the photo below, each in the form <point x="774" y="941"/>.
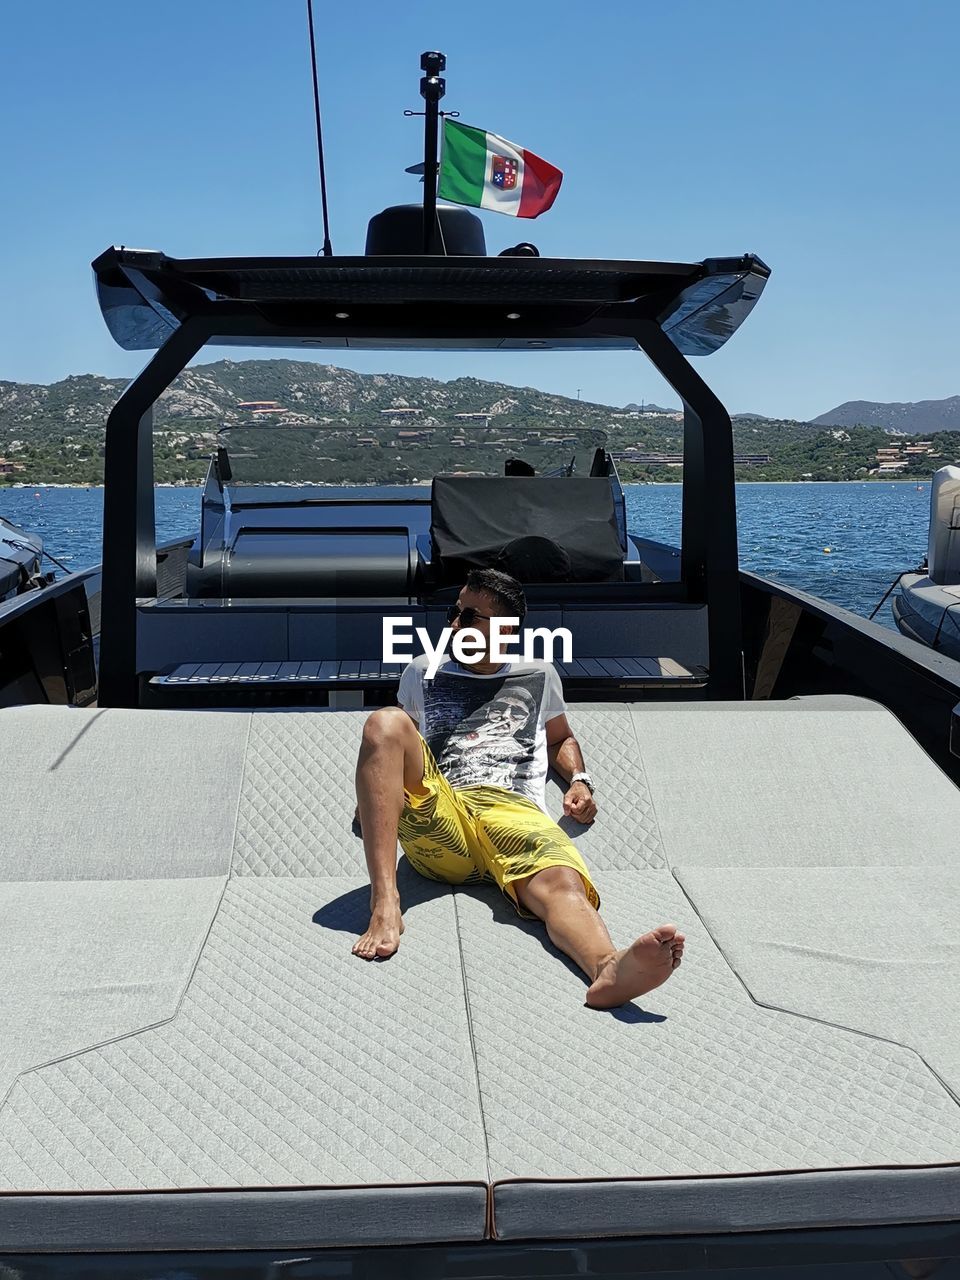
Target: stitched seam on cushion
<point x="667" y="865"/>
<point x="243" y="778"/>
<point x="473" y="1047"/>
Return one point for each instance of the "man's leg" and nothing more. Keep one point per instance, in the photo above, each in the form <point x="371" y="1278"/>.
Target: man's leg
<point x="391" y="759"/>
<point x="557" y="896"/>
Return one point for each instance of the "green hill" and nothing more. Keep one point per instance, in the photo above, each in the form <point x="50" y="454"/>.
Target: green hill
<point x="356" y="428"/>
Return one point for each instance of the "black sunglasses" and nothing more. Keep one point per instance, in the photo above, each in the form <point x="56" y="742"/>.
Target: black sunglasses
<point x="467" y="616"/>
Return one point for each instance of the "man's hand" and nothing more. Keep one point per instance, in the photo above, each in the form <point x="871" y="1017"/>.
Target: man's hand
<point x="579" y="803"/>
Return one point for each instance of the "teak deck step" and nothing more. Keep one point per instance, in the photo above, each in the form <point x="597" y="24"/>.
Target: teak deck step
<point x="331" y="671"/>
<point x="632" y="672"/>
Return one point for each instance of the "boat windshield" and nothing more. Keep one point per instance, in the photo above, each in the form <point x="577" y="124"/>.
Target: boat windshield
<point x="403" y="451"/>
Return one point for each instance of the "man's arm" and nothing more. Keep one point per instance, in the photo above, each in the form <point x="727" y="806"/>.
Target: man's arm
<point x="564" y="754"/>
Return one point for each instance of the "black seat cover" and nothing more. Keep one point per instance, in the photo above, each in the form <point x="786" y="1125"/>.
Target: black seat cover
<point x="538" y="528"/>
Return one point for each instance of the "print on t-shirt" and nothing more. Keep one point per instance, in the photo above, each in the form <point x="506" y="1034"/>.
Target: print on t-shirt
<point x="483" y="732"/>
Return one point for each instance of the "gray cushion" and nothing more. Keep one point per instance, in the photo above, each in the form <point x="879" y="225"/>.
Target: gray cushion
<point x="118" y="795"/>
<point x="286" y="1061"/>
<point x="89" y="961"/>
<point x="627" y="835"/>
<point x="831" y="783"/>
<point x="298" y="794"/>
<point x="296" y="1218"/>
<point x="690" y="1080"/>
<point x="289" y="1062"/>
<point x="682" y="1206"/>
<point x="693" y="1081"/>
<point x="874" y="949"/>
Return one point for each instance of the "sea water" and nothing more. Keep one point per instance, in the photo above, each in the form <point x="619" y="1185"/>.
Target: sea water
<point x="843" y="541"/>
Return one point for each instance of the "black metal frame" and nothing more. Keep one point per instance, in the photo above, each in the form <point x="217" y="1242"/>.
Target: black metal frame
<point x="129" y="525"/>
<point x="709" y="529"/>
<point x="709" y="555"/>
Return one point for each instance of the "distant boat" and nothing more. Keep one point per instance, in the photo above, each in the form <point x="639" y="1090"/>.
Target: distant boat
<point x="20" y="556"/>
<point x="927" y="607"/>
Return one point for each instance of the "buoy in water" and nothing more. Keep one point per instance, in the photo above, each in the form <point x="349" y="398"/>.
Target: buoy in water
<point x="826" y="551"/>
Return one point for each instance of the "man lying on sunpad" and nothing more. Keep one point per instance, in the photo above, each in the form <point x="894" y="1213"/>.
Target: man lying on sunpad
<point x="465" y="797"/>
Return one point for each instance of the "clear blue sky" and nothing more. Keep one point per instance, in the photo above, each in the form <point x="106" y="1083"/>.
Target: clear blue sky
<point x="822" y="136"/>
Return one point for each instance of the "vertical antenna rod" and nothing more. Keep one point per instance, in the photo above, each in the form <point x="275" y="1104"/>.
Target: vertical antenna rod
<point x="432" y="89"/>
<point x="327" y="249"/>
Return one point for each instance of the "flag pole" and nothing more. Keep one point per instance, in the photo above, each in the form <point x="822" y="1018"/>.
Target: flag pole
<point x="432" y="89"/>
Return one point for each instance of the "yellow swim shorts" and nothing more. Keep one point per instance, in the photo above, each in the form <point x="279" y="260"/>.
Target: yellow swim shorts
<point x="468" y="835"/>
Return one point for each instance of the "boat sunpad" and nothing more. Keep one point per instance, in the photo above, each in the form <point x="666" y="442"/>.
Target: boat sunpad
<point x="195" y="1059"/>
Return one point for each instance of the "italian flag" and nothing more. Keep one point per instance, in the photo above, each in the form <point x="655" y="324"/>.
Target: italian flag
<point x="488" y="172"/>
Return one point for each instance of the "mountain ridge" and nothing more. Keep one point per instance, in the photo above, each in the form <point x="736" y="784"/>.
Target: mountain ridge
<point x="918" y="417"/>
<point x="379" y="427"/>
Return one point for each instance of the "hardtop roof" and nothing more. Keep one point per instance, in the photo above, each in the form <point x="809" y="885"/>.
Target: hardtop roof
<point x="428" y="303"/>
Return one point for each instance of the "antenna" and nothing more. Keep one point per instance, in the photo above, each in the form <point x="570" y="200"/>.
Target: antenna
<point x="327" y="249"/>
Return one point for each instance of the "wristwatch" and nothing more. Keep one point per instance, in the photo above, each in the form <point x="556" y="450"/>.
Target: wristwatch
<point x="585" y="779"/>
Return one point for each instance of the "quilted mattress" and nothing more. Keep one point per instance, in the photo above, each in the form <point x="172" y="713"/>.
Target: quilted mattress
<point x="192" y="1058"/>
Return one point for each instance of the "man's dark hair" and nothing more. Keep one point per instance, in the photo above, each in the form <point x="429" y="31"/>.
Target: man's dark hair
<point x="504" y="591"/>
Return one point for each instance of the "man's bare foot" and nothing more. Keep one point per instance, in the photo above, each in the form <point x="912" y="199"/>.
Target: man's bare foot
<point x="645" y="964"/>
<point x="383" y="934"/>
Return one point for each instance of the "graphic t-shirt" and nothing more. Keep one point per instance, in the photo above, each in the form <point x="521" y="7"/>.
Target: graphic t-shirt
<point x="486" y="730"/>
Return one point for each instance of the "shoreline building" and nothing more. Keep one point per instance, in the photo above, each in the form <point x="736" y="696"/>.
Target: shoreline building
<point x="259" y="408"/>
<point x="676" y="459"/>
